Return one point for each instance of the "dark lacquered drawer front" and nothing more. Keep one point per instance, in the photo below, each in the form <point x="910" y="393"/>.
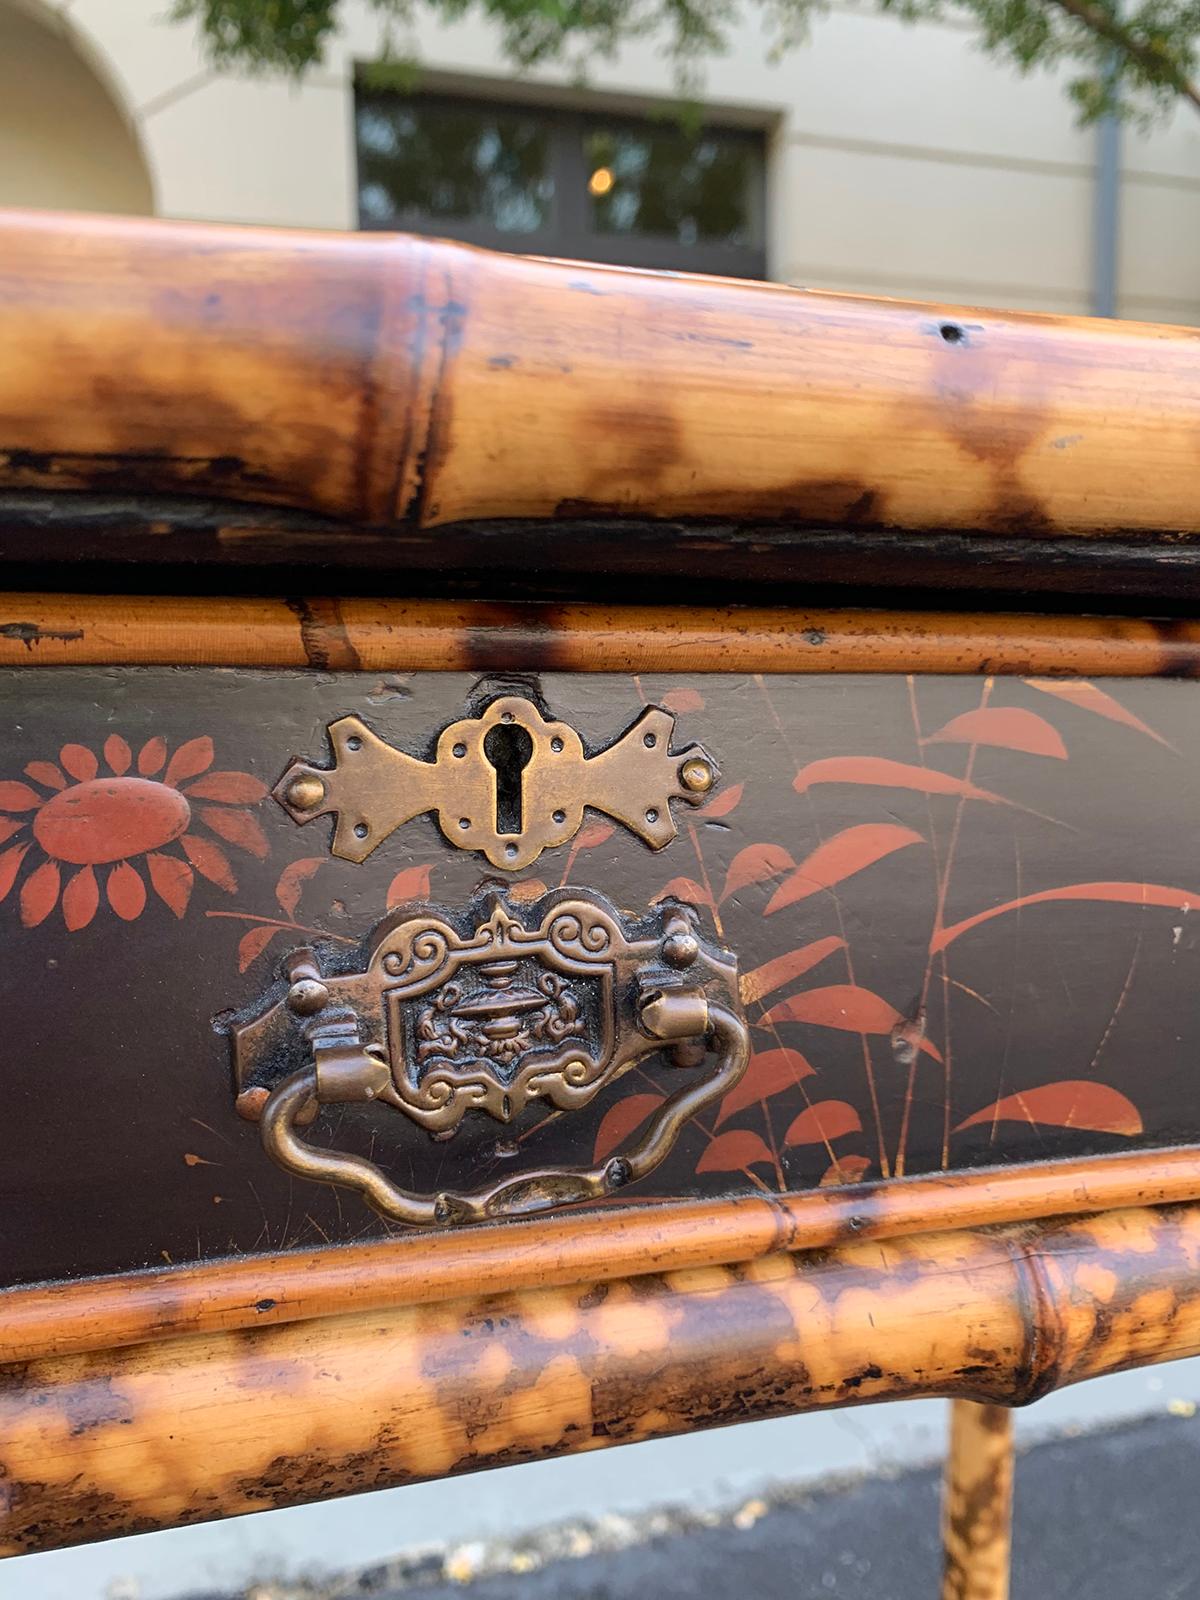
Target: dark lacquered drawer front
<point x="960" y="909"/>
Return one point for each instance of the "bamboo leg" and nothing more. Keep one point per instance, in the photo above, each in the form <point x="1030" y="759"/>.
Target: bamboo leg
<point x="977" y="1503"/>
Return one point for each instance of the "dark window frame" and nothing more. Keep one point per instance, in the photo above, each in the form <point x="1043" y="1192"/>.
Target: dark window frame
<point x="570" y="235"/>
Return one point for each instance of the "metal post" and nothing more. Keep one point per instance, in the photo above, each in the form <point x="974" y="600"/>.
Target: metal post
<point x="1106" y="217"/>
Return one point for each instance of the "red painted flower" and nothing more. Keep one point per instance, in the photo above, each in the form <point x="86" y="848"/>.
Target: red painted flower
<point x="88" y="829"/>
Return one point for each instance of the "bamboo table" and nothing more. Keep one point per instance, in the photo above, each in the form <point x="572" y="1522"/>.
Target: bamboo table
<point x="583" y="855"/>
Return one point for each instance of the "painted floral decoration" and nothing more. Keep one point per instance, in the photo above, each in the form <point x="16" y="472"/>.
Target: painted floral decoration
<point x="94" y="834"/>
<point x="781" y="1103"/>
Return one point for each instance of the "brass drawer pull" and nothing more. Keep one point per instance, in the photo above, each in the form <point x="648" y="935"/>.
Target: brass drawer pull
<point x="487" y="1012"/>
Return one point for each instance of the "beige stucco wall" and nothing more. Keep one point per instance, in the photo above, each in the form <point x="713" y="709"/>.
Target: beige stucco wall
<point x="903" y="161"/>
<point x="64" y="140"/>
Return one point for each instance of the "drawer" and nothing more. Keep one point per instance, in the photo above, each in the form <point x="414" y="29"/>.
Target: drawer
<point x="949" y="912"/>
<point x="959" y="908"/>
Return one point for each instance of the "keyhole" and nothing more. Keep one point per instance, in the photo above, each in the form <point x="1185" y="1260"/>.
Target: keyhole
<point x="509" y="749"/>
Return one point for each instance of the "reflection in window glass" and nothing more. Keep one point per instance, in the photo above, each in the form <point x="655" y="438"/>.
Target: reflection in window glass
<point x="584" y="184"/>
<point x="453" y="162"/>
<point x="660" y="182"/>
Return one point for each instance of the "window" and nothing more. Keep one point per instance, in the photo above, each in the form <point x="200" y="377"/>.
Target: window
<point x="545" y="182"/>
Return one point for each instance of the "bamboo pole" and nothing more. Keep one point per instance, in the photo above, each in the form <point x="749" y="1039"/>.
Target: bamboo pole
<point x="406" y="384"/>
<point x="377" y="634"/>
<point x="55" y="1319"/>
<point x="181" y="1430"/>
<point x="977" y="1503"/>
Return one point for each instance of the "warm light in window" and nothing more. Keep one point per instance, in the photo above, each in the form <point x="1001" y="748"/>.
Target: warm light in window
<point x="601" y="181"/>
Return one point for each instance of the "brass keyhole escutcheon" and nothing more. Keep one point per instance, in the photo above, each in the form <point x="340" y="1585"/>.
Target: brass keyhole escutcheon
<point x="509" y="783"/>
<point x="509" y="749"/>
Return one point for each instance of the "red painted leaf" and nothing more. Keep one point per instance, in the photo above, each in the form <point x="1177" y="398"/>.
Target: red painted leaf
<point x="39" y="894"/>
<point x="1135" y="894"/>
<point x="18" y="797"/>
<point x="681" y="700"/>
<point x="191" y="758"/>
<point x="734" y="1152"/>
<point x="755" y="864"/>
<point x="596" y="833"/>
<point x="769" y="1073"/>
<point x="46" y="772"/>
<point x="79" y="762"/>
<point x="9" y="826"/>
<point x="251" y="945"/>
<point x="237" y="827"/>
<point x="772" y="975"/>
<point x="118" y="754"/>
<point x="526" y="890"/>
<point x="172" y="881"/>
<point x="1072" y="1104"/>
<point x="80" y="899"/>
<point x="881" y="773"/>
<point x="1077" y="692"/>
<point x="231" y="788"/>
<point x="10" y="862"/>
<point x="848" y="852"/>
<point x="725" y="802"/>
<point x="411" y="883"/>
<point x="845" y="1169"/>
<point x="210" y="861"/>
<point x="126" y="891"/>
<point x="849" y="1008"/>
<point x="839" y="1005"/>
<point x="151" y="756"/>
<point x="292" y="879"/>
<point x="621" y="1120"/>
<point x="684" y="889"/>
<point x="1004" y="728"/>
<point x="822" y="1123"/>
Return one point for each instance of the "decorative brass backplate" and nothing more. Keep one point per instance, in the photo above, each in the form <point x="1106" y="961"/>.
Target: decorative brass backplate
<point x="486" y="1011"/>
<point x="509" y="783"/>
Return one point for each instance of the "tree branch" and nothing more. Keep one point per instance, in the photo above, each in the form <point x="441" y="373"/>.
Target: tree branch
<point x="1158" y="65"/>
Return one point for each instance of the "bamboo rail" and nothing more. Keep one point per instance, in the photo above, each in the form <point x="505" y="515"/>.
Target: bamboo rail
<point x="370" y="635"/>
<point x="407" y="384"/>
<point x="183" y="1430"/>
<point x="556" y="1252"/>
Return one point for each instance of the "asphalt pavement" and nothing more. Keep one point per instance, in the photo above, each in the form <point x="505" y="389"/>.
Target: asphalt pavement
<point x="1113" y="1515"/>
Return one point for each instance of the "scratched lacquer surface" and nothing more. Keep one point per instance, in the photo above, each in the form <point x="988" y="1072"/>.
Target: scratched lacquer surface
<point x="962" y="909"/>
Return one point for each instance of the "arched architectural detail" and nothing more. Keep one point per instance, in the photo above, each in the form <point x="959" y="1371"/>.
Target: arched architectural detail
<point x="70" y="137"/>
